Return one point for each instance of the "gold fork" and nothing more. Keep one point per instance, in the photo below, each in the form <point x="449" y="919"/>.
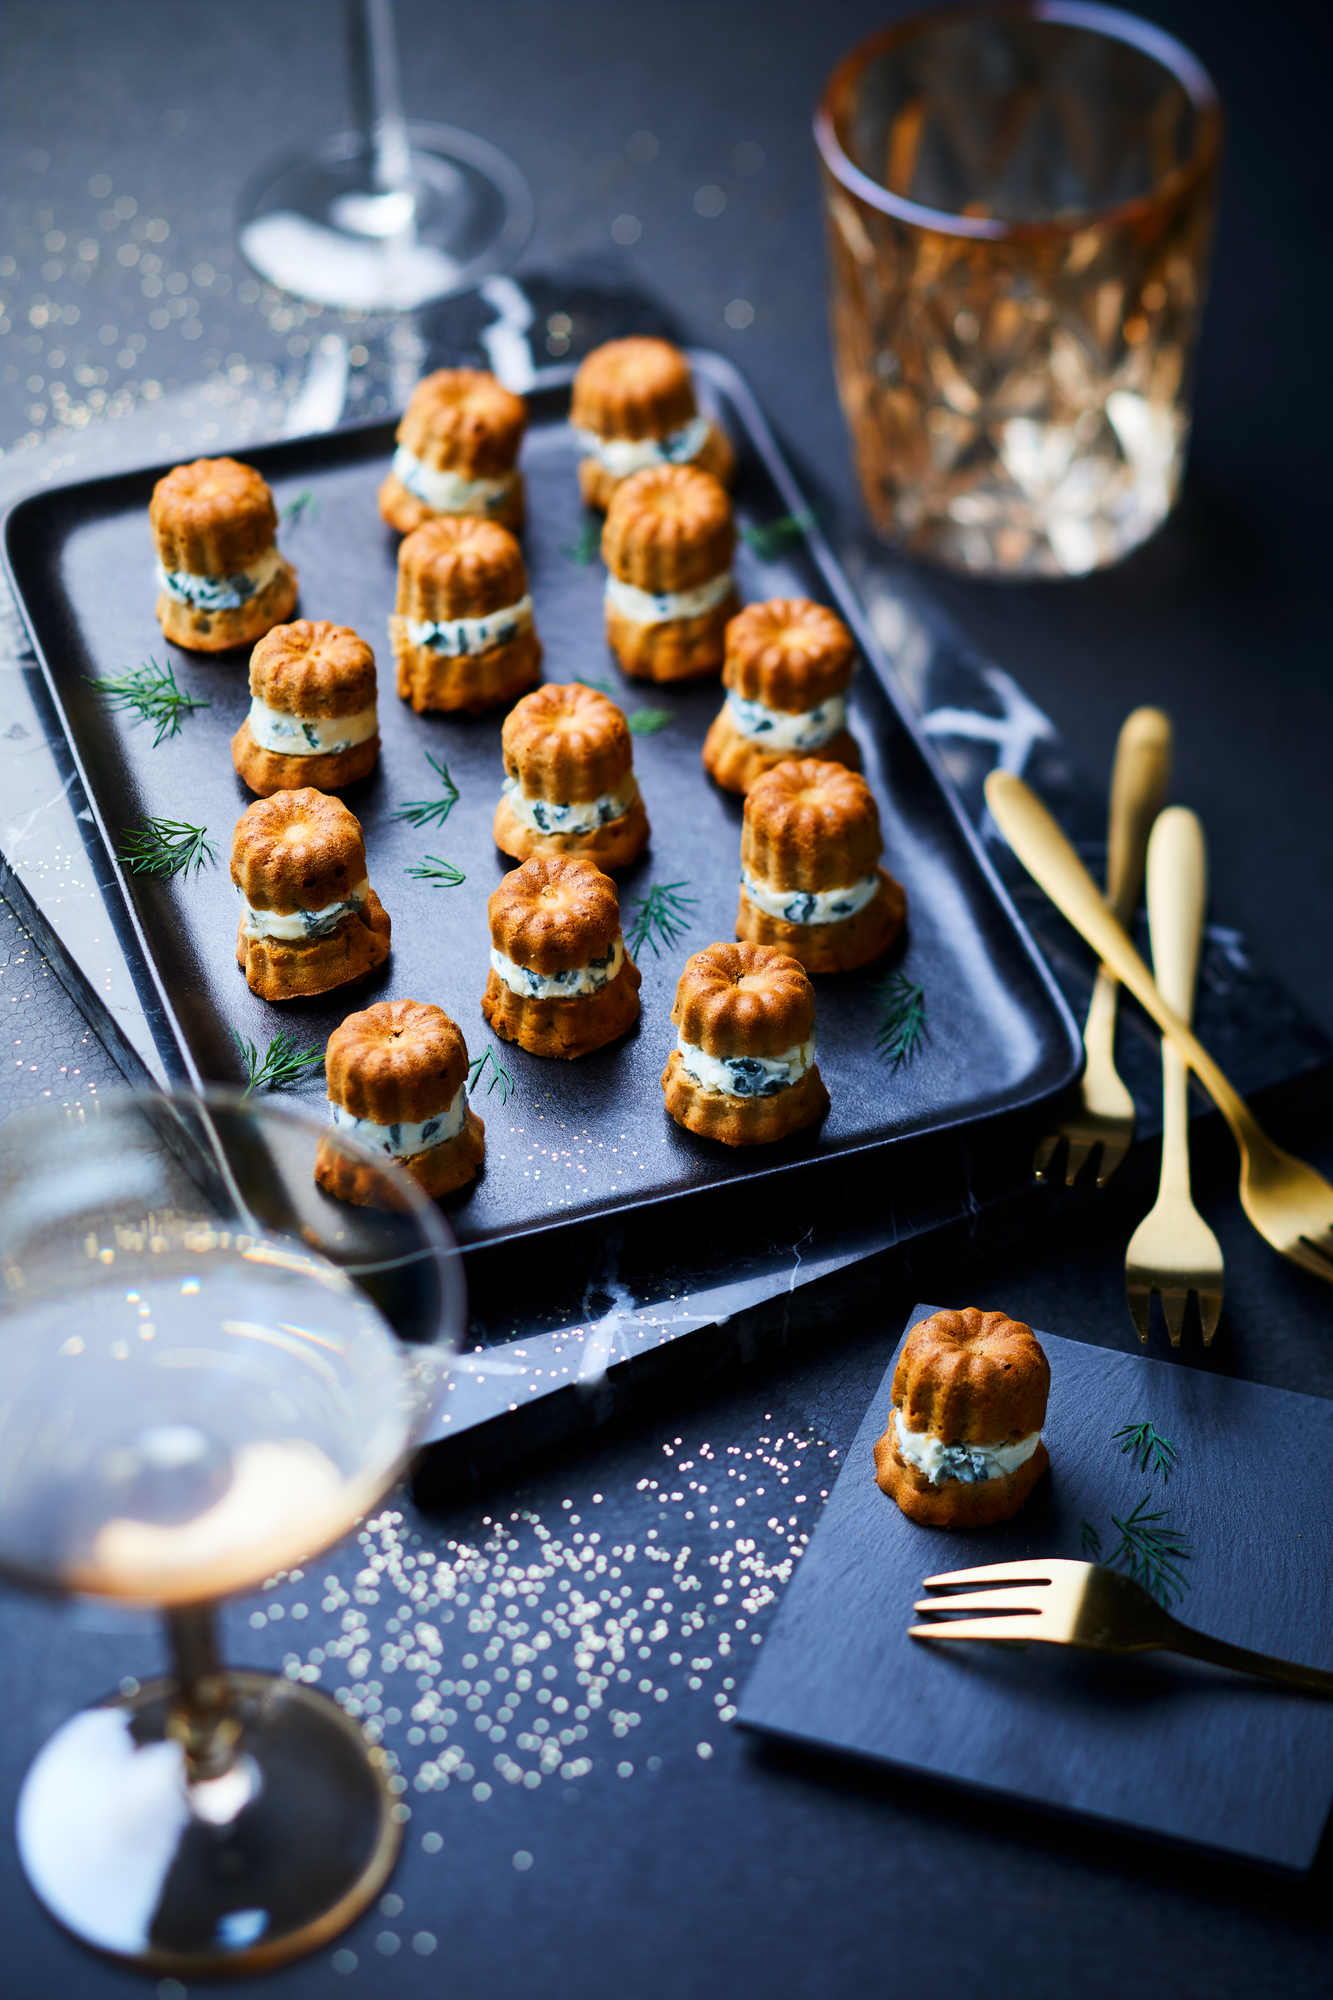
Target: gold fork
<point x="1173" y="1251"/>
<point x="1289" y="1204"/>
<point x="1101" y="1611"/>
<point x="1104" y="1115"/>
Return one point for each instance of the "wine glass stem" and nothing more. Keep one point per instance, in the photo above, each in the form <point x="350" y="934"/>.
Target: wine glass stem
<point x="377" y="91"/>
<point x="201" y="1720"/>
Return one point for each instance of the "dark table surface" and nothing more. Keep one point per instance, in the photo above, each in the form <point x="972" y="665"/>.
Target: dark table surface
<point x="738" y="1869"/>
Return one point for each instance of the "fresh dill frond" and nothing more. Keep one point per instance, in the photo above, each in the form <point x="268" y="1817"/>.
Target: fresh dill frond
<point x="166" y="847"/>
<point x="770" y="538"/>
<point x="1151" y="1551"/>
<point x="900" y="1026"/>
<point x="585" y="548"/>
<point x="591" y="681"/>
<point x="499" y="1074"/>
<point x="305" y="507"/>
<point x="152" y="693"/>
<point x="442" y="874"/>
<point x="1091" y="1540"/>
<point x="281" y="1063"/>
<point x="431" y="812"/>
<point x="659" y="917"/>
<point x="647" y="721"/>
<point x="1144" y="1442"/>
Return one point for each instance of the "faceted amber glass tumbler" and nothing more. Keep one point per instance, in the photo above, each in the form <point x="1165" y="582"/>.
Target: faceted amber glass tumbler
<point x="1019" y="203"/>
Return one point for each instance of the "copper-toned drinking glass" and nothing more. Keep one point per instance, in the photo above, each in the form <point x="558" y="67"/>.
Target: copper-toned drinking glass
<point x="1020" y="202"/>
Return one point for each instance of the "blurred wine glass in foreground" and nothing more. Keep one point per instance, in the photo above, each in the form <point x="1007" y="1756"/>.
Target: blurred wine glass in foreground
<point x="209" y="1370"/>
<point x="392" y="214"/>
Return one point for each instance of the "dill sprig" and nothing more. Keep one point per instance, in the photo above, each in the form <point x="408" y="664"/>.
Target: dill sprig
<point x="647" y="721"/>
<point x="441" y="873"/>
<point x="166" y="847"/>
<point x="585" y="548"/>
<point x="499" y="1074"/>
<point x="431" y="812"/>
<point x="601" y="687"/>
<point x="1145" y="1442"/>
<point x="770" y="538"/>
<point x="1091" y="1539"/>
<point x="659" y="916"/>
<point x="305" y="507"/>
<point x="152" y="693"/>
<point x="1151" y="1551"/>
<point x="901" y="1023"/>
<point x="281" y="1063"/>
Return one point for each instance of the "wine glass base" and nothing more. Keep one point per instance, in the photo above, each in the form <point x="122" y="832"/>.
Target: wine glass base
<point x="264" y="1864"/>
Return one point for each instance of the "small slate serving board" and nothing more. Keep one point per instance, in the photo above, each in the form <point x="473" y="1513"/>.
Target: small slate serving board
<point x="1160" y="1745"/>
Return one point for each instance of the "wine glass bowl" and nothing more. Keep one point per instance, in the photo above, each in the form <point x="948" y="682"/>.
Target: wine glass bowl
<point x="209" y="1370"/>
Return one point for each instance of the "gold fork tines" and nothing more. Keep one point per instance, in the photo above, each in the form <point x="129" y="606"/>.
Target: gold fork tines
<point x="1062" y="1603"/>
<point x="1103" y="1119"/>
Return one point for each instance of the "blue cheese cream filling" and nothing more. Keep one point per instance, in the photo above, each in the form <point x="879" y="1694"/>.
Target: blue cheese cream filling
<point x="778" y="729"/>
<point x="450" y="492"/>
<point x="457" y="636"/>
<point x="810" y="906"/>
<point x="747" y="1076"/>
<point x="968" y="1463"/>
<point x="220" y="593"/>
<point x="400" y="1141"/>
<point x="301" y="926"/>
<point x="658" y="607"/>
<point x="572" y="815"/>
<point x="622" y="456"/>
<point x="572" y="984"/>
<point x="309" y="736"/>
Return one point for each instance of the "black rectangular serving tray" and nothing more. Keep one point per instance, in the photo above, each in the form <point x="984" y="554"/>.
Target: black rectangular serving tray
<point x="585" y="1145"/>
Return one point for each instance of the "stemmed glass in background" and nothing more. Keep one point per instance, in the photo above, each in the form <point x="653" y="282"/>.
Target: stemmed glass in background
<point x="209" y="1370"/>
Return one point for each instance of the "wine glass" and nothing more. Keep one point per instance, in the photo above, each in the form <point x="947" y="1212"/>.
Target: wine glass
<point x="209" y="1370"/>
<point x="393" y="213"/>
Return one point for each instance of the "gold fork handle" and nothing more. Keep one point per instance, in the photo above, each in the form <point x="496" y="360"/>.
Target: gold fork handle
<point x="1177" y="891"/>
<point x="1138" y="792"/>
<point x="1198" y="1646"/>
<point x="1051" y="861"/>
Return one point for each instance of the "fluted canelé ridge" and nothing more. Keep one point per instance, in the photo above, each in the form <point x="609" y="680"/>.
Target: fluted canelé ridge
<point x="297" y="851"/>
<point x="633" y="388"/>
<point x="400" y="1060"/>
<point x="459" y="567"/>
<point x="810" y="825"/>
<point x="668" y="528"/>
<point x="313" y="670"/>
<point x="789" y="653"/>
<point x="555" y="912"/>
<point x="567" y="743"/>
<point x="972" y="1377"/>
<point x="212" y="517"/>
<point x="744" y="1000"/>
<point x="462" y="420"/>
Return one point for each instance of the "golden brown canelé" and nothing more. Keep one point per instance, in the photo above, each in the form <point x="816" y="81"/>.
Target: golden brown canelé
<point x="667" y="545"/>
<point x="561" y="981"/>
<point x="744" y="1071"/>
<point x="310" y="920"/>
<point x="312" y="690"/>
<point x="967" y="1385"/>
<point x="462" y="631"/>
<point x="397" y="1076"/>
<point x="810" y="880"/>
<point x="569" y="779"/>
<point x="788" y="665"/>
<point x="457" y="446"/>
<point x="633" y="405"/>
<point x="223" y="581"/>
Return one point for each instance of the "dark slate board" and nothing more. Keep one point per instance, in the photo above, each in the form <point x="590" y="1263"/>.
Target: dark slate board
<point x="1156" y="1744"/>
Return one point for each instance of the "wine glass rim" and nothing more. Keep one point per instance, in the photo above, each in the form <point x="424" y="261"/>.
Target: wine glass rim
<point x="1114" y="24"/>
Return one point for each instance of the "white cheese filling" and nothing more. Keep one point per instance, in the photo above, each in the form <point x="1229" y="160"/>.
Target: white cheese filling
<point x="810" y="906"/>
<point x="309" y="736"/>
<point x="968" y="1463"/>
<point x="622" y="456"/>
<point x="649" y="607"/>
<point x="574" y="816"/>
<point x="300" y="926"/>
<point x="402" y="1139"/>
<point x="457" y="636"/>
<point x="450" y="492"/>
<point x="220" y="593"/>
<point x="567" y="985"/>
<point x="777" y="729"/>
<point x="747" y="1076"/>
